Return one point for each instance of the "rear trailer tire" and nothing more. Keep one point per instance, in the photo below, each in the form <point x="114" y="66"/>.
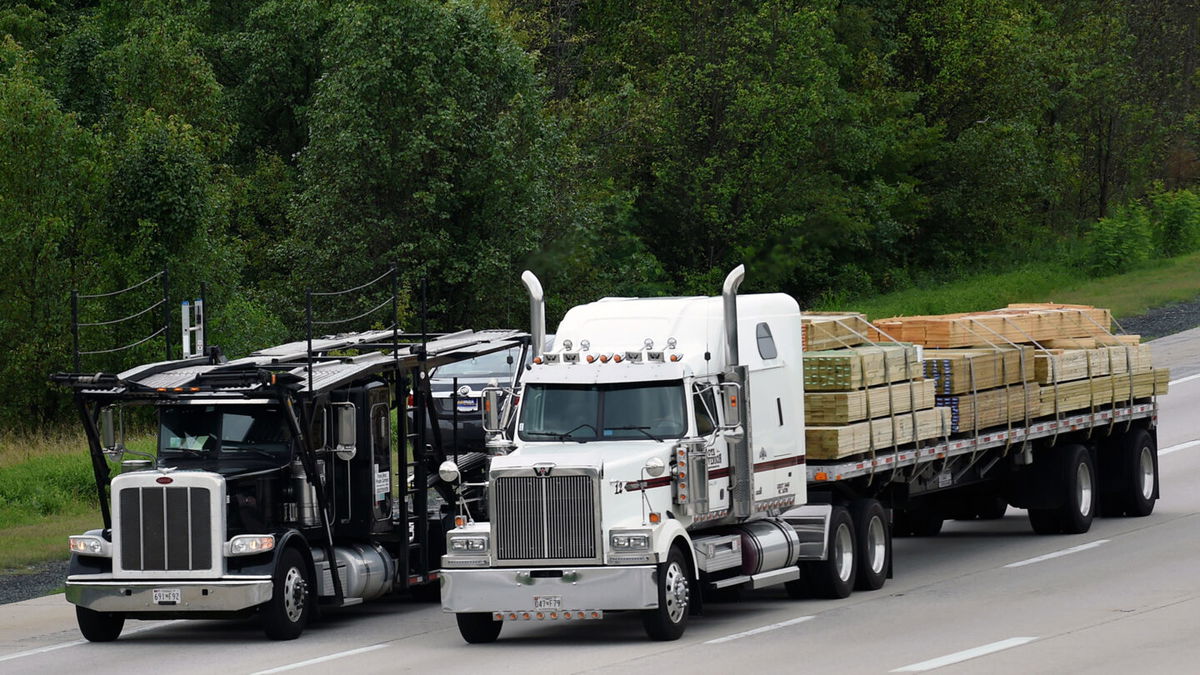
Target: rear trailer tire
<point x="668" y="621"/>
<point x="1139" y="473"/>
<point x="478" y="627"/>
<point x="291" y="605"/>
<point x="835" y="576"/>
<point x="1045" y="521"/>
<point x="1079" y="477"/>
<point x="873" y="545"/>
<point x="99" y="626"/>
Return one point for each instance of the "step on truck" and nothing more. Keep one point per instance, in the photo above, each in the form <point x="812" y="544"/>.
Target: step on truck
<point x="659" y="456"/>
<point x="279" y="482"/>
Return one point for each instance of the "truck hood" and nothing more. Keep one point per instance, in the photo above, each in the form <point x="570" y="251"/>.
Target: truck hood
<point x="614" y="460"/>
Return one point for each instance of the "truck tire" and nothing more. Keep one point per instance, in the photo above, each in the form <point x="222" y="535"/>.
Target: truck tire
<point x="873" y="544"/>
<point x="990" y="507"/>
<point x="99" y="626"/>
<point x="1074" y="482"/>
<point x="478" y="627"/>
<point x="287" y="612"/>
<point x="669" y="620"/>
<point x="1138" y="473"/>
<point x="835" y="576"/>
<point x="1045" y="521"/>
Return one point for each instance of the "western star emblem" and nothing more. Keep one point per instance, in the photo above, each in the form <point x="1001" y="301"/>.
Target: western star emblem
<point x="542" y="470"/>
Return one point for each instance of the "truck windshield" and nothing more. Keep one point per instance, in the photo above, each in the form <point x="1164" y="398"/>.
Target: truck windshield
<point x="224" y="431"/>
<point x="593" y="412"/>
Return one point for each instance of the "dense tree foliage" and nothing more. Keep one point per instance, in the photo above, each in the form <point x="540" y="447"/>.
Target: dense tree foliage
<point x="840" y="148"/>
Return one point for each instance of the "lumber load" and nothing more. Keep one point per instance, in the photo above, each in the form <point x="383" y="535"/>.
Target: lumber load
<point x="859" y="367"/>
<point x="844" y="407"/>
<point x="1092" y="342"/>
<point x="1015" y="324"/>
<point x="837" y="442"/>
<point x="1065" y="365"/>
<point x="833" y="330"/>
<point x="1101" y="391"/>
<point x="962" y="371"/>
<point x="995" y="407"/>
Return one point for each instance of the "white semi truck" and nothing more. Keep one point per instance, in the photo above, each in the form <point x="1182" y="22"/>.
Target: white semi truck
<point x="659" y="454"/>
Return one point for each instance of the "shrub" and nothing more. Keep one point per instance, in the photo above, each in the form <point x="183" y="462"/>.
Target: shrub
<point x="1120" y="242"/>
<point x="1176" y="222"/>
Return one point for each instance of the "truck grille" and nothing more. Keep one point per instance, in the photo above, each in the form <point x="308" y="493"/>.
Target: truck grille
<point x="165" y="528"/>
<point x="550" y="518"/>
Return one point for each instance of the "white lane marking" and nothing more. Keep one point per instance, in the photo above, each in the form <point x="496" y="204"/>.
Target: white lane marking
<point x="323" y="659"/>
<point x="1176" y="448"/>
<point x="964" y="655"/>
<point x="1059" y="554"/>
<point x="756" y="631"/>
<point x="1181" y="380"/>
<point x="50" y="648"/>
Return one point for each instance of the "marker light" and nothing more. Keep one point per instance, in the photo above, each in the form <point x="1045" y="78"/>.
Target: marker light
<point x="591" y="359"/>
<point x="604" y="358"/>
<point x="616" y="358"/>
<point x="675" y="357"/>
<point x="537" y="360"/>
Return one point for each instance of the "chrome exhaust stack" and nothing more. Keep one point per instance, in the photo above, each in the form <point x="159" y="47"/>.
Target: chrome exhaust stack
<point x="729" y="295"/>
<point x="537" y="311"/>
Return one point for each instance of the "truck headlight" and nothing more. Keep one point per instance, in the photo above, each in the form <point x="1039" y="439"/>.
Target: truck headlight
<point x="249" y="544"/>
<point x="87" y="544"/>
<point x="468" y="544"/>
<point x="628" y="541"/>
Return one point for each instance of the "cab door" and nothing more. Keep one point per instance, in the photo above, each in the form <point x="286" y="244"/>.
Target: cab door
<point x="706" y="423"/>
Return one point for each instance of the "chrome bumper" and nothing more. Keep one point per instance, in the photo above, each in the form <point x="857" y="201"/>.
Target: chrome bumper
<point x="514" y="589"/>
<point x="220" y="595"/>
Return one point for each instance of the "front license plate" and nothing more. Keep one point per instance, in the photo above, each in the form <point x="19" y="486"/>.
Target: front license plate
<point x="167" y="596"/>
<point x="547" y="602"/>
<point x="468" y="405"/>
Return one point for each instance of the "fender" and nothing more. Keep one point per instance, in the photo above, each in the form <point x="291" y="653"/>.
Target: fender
<point x="265" y="564"/>
<point x="667" y="534"/>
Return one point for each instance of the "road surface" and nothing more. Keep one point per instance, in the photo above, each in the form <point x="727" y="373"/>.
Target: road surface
<point x="984" y="597"/>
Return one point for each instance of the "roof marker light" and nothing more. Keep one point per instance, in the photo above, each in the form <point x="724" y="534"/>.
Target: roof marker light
<point x="675" y="358"/>
<point x="616" y="358"/>
<point x="604" y="358"/>
<point x="591" y="359"/>
<point x="537" y="360"/>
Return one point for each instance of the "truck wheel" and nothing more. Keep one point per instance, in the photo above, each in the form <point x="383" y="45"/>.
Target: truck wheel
<point x="1138" y="473"/>
<point x="1079" y="473"/>
<point x="287" y="612"/>
<point x="991" y="507"/>
<point x="669" y="619"/>
<point x="834" y="577"/>
<point x="1045" y="521"/>
<point x="872" y="546"/>
<point x="99" y="626"/>
<point x="478" y="627"/>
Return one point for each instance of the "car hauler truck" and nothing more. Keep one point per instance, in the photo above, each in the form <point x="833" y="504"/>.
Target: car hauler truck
<point x="275" y="486"/>
<point x="659" y="453"/>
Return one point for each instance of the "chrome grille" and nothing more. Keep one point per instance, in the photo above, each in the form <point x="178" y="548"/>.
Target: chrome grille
<point x="545" y="518"/>
<point x="165" y="528"/>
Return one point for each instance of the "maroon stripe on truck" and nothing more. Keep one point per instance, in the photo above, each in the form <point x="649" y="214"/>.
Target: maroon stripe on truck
<point x="663" y="481"/>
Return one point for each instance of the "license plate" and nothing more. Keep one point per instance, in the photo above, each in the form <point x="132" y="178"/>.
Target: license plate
<point x="546" y="602"/>
<point x="468" y="405"/>
<point x="167" y="596"/>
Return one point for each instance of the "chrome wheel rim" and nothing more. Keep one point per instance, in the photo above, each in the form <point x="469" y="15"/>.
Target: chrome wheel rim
<point x="876" y="544"/>
<point x="1083" y="477"/>
<point x="843" y="552"/>
<point x="295" y="592"/>
<point x="1146" y="464"/>
<point x="676" y="588"/>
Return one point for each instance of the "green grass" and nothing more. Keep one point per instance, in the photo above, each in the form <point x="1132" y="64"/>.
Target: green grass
<point x="1130" y="294"/>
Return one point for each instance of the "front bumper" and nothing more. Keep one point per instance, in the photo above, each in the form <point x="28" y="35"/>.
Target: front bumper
<point x="221" y="595"/>
<point x="580" y="588"/>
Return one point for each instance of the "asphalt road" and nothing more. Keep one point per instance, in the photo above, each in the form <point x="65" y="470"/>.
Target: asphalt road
<point x="984" y="597"/>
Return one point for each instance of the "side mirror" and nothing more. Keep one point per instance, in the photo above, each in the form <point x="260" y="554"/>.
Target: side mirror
<point x="345" y="431"/>
<point x="654" y="467"/>
<point x="112" y="433"/>
<point x="491" y="407"/>
<point x="731" y="396"/>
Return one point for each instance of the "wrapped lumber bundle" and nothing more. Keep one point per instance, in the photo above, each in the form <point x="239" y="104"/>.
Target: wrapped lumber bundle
<point x="833" y="330"/>
<point x="1065" y="365"/>
<point x="837" y="442"/>
<point x="843" y="407"/>
<point x="993" y="407"/>
<point x="859" y="367"/>
<point x="962" y="371"/>
<point x="1100" y="391"/>
<point x="1016" y="323"/>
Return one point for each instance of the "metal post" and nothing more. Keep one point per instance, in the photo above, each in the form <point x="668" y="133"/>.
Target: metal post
<point x="201" y="319"/>
<point x="454" y="418"/>
<point x="308" y="320"/>
<point x="75" y="327"/>
<point x="166" y="314"/>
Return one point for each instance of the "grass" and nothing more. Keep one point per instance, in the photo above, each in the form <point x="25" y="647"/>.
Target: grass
<point x="1130" y="294"/>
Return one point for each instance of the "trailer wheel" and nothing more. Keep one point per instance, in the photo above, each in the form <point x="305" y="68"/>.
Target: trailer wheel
<point x="1139" y="473"/>
<point x="478" y="627"/>
<point x="1075" y="483"/>
<point x="873" y="545"/>
<point x="835" y="576"/>
<point x="99" y="626"/>
<point x="287" y="612"/>
<point x="1045" y="521"/>
<point x="668" y="620"/>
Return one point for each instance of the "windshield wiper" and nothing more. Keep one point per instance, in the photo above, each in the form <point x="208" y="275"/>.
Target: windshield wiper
<point x="564" y="436"/>
<point x="641" y="429"/>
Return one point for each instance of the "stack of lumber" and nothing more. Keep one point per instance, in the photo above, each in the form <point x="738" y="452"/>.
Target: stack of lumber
<point x="844" y="407"/>
<point x="993" y="407"/>
<point x="833" y="330"/>
<point x="1090" y="393"/>
<point x="1016" y="324"/>
<point x="1064" y="365"/>
<point x="962" y="371"/>
<point x="878" y="434"/>
<point x="859" y="367"/>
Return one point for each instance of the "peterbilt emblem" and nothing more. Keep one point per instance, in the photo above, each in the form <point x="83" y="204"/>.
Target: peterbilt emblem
<point x="464" y="390"/>
<point x="542" y="470"/>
